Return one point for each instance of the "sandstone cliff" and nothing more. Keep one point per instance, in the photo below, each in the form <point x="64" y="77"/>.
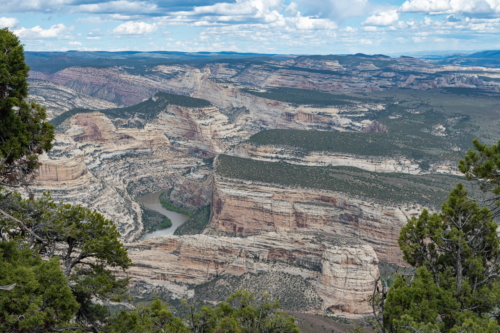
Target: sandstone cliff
<point x="385" y="164"/>
<point x="338" y="273"/>
<point x="58" y="99"/>
<point x="243" y="208"/>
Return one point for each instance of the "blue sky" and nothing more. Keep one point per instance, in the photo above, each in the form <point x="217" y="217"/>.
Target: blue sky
<point x="263" y="26"/>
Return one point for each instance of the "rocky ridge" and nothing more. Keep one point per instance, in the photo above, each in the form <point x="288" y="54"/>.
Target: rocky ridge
<point x="58" y="99"/>
<point x="384" y="164"/>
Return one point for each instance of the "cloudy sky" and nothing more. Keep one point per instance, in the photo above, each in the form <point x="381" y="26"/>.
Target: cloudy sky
<point x="264" y="26"/>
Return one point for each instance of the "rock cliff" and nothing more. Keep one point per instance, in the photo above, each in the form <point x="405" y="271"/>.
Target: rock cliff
<point x="58" y="99"/>
<point x="338" y="273"/>
<point x="242" y="208"/>
<point x="385" y="164"/>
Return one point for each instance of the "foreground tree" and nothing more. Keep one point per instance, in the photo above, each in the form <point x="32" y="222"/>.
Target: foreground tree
<point x="58" y="259"/>
<point x="83" y="241"/>
<point x="243" y="312"/>
<point x="482" y="165"/>
<point x="455" y="283"/>
<point x="40" y="300"/>
<point x="24" y="133"/>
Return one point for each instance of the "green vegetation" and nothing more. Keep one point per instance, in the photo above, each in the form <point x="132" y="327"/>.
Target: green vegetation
<point x="84" y="243"/>
<point x="424" y="147"/>
<point x="483" y="167"/>
<point x="393" y="187"/>
<point x="305" y="97"/>
<point x="456" y="254"/>
<point x="242" y="312"/>
<point x="168" y="205"/>
<point x="294" y="292"/>
<point x="146" y="110"/>
<point x="352" y="60"/>
<point x="196" y="223"/>
<point x="453" y="284"/>
<point x="152" y="220"/>
<point x="55" y="258"/>
<point x="41" y="297"/>
<point x="24" y="133"/>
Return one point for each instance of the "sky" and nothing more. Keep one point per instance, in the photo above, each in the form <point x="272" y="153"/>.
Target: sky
<point x="260" y="26"/>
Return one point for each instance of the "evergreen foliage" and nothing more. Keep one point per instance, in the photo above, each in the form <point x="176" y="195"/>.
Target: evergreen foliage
<point x="456" y="254"/>
<point x="243" y="312"/>
<point x="196" y="223"/>
<point x="483" y="166"/>
<point x="304" y="97"/>
<point x="41" y="299"/>
<point x="24" y="134"/>
<point x="84" y="242"/>
<point x="427" y="189"/>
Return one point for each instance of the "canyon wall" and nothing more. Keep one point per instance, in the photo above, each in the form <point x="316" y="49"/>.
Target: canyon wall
<point x="342" y="271"/>
<point x="388" y="164"/>
<point x="245" y="208"/>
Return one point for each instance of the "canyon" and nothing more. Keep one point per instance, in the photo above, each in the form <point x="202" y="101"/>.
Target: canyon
<point x="327" y="243"/>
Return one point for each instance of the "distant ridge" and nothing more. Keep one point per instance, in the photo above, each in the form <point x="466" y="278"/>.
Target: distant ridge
<point x="485" y="54"/>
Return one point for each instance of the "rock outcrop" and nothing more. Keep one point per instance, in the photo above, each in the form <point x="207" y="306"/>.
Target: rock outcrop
<point x="243" y="208"/>
<point x="58" y="99"/>
<point x="389" y="164"/>
<point x="342" y="271"/>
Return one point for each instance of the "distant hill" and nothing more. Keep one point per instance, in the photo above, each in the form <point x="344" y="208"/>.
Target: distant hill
<point x="485" y="54"/>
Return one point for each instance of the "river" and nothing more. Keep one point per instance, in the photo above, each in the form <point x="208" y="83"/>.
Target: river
<point x="152" y="201"/>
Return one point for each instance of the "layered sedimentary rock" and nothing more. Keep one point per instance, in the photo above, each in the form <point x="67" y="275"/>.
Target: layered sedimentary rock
<point x="58" y="99"/>
<point x="342" y="271"/>
<point x="398" y="164"/>
<point x="247" y="208"/>
<point x="94" y="163"/>
<point x="61" y="170"/>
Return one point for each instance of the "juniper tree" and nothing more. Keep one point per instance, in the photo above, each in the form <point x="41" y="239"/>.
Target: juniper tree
<point x="45" y="245"/>
<point x="24" y="133"/>
<point x="456" y="284"/>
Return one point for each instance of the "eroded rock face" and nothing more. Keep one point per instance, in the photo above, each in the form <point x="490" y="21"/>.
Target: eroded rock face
<point x="387" y="164"/>
<point x="342" y="271"/>
<point x="244" y="208"/>
<point x="58" y="99"/>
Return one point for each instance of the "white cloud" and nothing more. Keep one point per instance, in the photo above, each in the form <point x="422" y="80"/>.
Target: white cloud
<point x="75" y="43"/>
<point x="336" y="9"/>
<point x="292" y="9"/>
<point x="366" y="42"/>
<point x="120" y="6"/>
<point x="383" y="18"/>
<point x="256" y="8"/>
<point x="308" y="23"/>
<point x="419" y="39"/>
<point x="471" y="7"/>
<point x="370" y="28"/>
<point x="55" y="31"/>
<point x="135" y="28"/>
<point x="8" y="22"/>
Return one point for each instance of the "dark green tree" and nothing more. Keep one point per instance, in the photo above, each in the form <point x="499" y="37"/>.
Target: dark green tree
<point x="456" y="254"/>
<point x="85" y="243"/>
<point x="40" y="300"/>
<point x="243" y="312"/>
<point x="482" y="165"/>
<point x="24" y="133"/>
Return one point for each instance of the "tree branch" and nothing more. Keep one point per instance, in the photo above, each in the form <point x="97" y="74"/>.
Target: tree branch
<point x="23" y="226"/>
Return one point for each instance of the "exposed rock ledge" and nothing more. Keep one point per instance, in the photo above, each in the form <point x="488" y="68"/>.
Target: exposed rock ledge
<point x="343" y="270"/>
<point x="290" y="155"/>
<point x="245" y="208"/>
